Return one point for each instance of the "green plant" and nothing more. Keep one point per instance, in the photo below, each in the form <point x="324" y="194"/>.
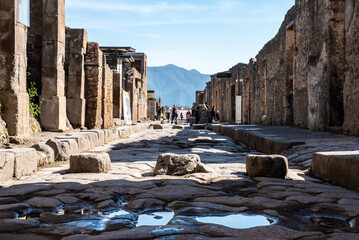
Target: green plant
<point x="34" y="102"/>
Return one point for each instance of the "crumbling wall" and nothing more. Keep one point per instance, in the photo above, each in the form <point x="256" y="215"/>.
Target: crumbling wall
<point x="117" y="95"/>
<point x="319" y="64"/>
<point x="248" y="92"/>
<point x="271" y="73"/>
<point x="75" y="91"/>
<point x="14" y="99"/>
<point x="34" y="44"/>
<point x="93" y="71"/>
<point x="351" y="88"/>
<point x="107" y="93"/>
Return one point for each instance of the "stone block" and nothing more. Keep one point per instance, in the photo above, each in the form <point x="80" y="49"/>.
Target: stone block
<point x="72" y="145"/>
<point x="76" y="108"/>
<point x="93" y="137"/>
<point x="41" y="159"/>
<point x="47" y="150"/>
<point x="273" y="166"/>
<point x="198" y="126"/>
<point x="100" y="136"/>
<point x="179" y="127"/>
<point x="90" y="163"/>
<point x="25" y="161"/>
<point x="7" y="161"/>
<point x="157" y="126"/>
<point x="53" y="113"/>
<point x="62" y="151"/>
<point x="83" y="140"/>
<point x="192" y="121"/>
<point x="339" y="168"/>
<point x="177" y="165"/>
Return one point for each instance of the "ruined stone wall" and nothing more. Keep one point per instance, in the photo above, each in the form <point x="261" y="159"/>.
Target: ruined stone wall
<point x="218" y="94"/>
<point x="319" y="64"/>
<point x="107" y="93"/>
<point x="34" y="43"/>
<point x="351" y="88"/>
<point x="248" y="109"/>
<point x="93" y="71"/>
<point x="270" y="72"/>
<point x="14" y="99"/>
<point x="75" y="74"/>
<point x="117" y="95"/>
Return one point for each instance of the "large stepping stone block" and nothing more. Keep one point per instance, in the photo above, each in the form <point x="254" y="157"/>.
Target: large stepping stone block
<point x="90" y="163"/>
<point x="198" y="126"/>
<point x="338" y="168"/>
<point x="179" y="165"/>
<point x="273" y="166"/>
<point x="7" y="161"/>
<point x="25" y="161"/>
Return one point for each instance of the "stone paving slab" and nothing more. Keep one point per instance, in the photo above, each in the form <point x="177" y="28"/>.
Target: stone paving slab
<point x="303" y="207"/>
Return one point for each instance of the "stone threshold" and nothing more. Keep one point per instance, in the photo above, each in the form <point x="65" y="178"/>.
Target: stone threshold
<point x="19" y="162"/>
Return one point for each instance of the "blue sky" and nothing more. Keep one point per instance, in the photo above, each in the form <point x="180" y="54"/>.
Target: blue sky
<point x="207" y="35"/>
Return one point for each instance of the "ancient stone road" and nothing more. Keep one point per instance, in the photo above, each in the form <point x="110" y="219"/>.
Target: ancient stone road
<point x="121" y="204"/>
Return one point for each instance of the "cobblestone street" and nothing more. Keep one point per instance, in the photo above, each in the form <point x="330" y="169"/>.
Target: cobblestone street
<point x="129" y="202"/>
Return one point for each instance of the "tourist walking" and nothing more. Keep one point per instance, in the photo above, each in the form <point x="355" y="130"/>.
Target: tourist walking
<point x="188" y="116"/>
<point x="168" y="115"/>
<point x="181" y="117"/>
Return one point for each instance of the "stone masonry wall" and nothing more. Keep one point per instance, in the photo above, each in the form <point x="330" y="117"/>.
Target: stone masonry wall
<point x="34" y="43"/>
<point x="248" y="110"/>
<point x="117" y="96"/>
<point x="14" y="99"/>
<point x="351" y="88"/>
<point x="93" y="71"/>
<point x="75" y="91"/>
<point x="107" y="93"/>
<point x="53" y="107"/>
<point x="271" y="72"/>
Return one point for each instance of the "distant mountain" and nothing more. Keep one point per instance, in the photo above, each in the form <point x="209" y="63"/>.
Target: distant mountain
<point x="175" y="85"/>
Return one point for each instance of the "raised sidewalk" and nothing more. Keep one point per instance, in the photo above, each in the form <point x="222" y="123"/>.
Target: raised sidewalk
<point x="332" y="157"/>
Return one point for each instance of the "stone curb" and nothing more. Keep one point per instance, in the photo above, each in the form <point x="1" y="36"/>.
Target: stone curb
<point x="21" y="162"/>
<point x="269" y="144"/>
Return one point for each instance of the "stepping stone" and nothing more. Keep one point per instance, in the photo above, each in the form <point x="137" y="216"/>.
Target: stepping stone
<point x="198" y="126"/>
<point x="90" y="163"/>
<point x="273" y="166"/>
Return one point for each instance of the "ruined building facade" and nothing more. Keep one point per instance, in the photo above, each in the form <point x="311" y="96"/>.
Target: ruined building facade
<point x="307" y="75"/>
<point x="76" y="83"/>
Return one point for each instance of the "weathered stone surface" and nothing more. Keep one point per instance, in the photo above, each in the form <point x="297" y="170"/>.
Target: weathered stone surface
<point x="7" y="161"/>
<point x="4" y="135"/>
<point x="41" y="159"/>
<point x="16" y="207"/>
<point x="83" y="141"/>
<point x="275" y="166"/>
<point x="15" y="225"/>
<point x="8" y="215"/>
<point x="72" y="145"/>
<point x="43" y="202"/>
<point x="198" y="126"/>
<point x="49" y="152"/>
<point x="173" y="164"/>
<point x="157" y="126"/>
<point x="25" y="161"/>
<point x="339" y="168"/>
<point x="23" y="189"/>
<point x="178" y="127"/>
<point x="90" y="163"/>
<point x="147" y="203"/>
<point x="100" y="136"/>
<point x="61" y="150"/>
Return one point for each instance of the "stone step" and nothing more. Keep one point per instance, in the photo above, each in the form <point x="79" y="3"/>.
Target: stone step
<point x="339" y="168"/>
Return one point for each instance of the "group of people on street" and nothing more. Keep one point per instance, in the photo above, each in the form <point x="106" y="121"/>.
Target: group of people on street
<point x="171" y="115"/>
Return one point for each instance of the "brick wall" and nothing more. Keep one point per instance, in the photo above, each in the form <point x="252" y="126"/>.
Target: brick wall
<point x="93" y="71"/>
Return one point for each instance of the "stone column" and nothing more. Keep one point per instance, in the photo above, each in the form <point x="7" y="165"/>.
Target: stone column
<point x="93" y="69"/>
<point x="76" y="103"/>
<point x="14" y="99"/>
<point x="117" y="91"/>
<point x="107" y="91"/>
<point x="53" y="107"/>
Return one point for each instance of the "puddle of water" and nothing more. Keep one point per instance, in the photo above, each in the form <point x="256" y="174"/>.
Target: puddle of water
<point x="238" y="221"/>
<point x="154" y="219"/>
